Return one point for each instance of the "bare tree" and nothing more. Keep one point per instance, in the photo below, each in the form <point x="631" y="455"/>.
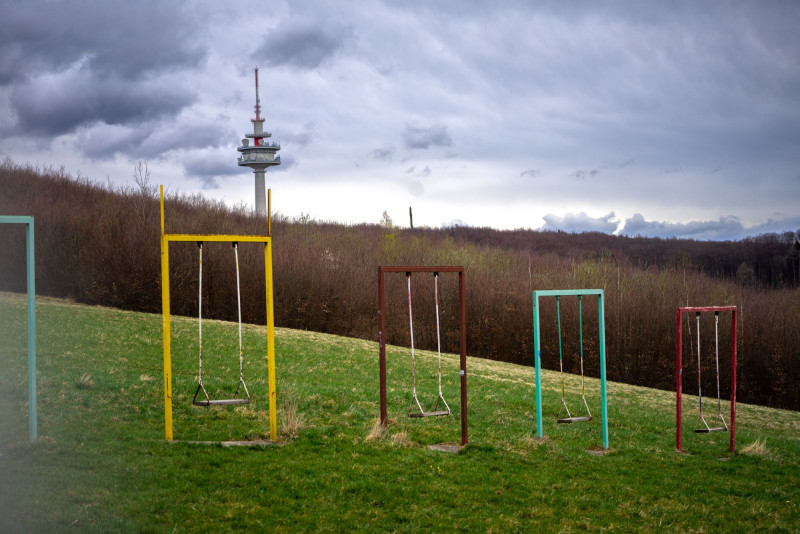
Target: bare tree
<point x="141" y="175"/>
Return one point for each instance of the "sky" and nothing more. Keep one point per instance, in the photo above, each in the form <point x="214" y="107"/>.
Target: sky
<point x="662" y="119"/>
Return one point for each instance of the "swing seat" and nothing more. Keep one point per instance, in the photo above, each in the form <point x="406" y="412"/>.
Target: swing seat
<point x="705" y="429"/>
<point x="429" y="414"/>
<point x="433" y="413"/>
<point x="710" y="429"/>
<point x="575" y="419"/>
<point x="220" y="402"/>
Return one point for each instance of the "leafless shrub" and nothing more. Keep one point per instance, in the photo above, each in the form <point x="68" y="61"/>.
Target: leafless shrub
<point x="377" y="431"/>
<point x="757" y="448"/>
<point x="291" y="419"/>
<point x="85" y="381"/>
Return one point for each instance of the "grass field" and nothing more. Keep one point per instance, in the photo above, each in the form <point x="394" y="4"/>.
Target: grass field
<point x="101" y="462"/>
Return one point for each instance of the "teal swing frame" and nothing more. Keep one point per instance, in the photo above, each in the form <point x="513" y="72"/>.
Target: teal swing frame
<point x="537" y="294"/>
<point x="27" y="220"/>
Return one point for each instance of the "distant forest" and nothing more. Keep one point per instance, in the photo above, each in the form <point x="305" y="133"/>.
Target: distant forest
<point x="766" y="260"/>
<point x="100" y="245"/>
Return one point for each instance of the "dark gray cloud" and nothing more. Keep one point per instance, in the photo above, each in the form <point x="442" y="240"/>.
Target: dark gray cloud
<point x="383" y="154"/>
<point x="106" y="143"/>
<point x="580" y="222"/>
<point x="422" y="173"/>
<point x="723" y="228"/>
<point x="67" y="65"/>
<point x="775" y="226"/>
<point x="680" y="111"/>
<point x="58" y="104"/>
<point x="582" y="174"/>
<point x="303" y="44"/>
<point x="424" y="137"/>
<point x="676" y="83"/>
<point x="123" y="38"/>
<point x="152" y="140"/>
<point x="288" y="161"/>
<point x="532" y="173"/>
<point x="208" y="168"/>
<point x="300" y="139"/>
<point x="185" y="134"/>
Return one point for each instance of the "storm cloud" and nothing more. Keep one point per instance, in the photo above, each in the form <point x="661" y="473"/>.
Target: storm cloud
<point x="302" y="44"/>
<point x="59" y="104"/>
<point x="669" y="119"/>
<point x="424" y="137"/>
<point x="126" y="39"/>
<point x="724" y="228"/>
<point x="111" y="62"/>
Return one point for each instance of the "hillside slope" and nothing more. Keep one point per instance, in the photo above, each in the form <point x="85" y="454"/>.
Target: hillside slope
<point x="102" y="464"/>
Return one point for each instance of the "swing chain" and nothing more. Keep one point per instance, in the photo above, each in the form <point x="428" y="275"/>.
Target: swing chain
<point x="705" y="428"/>
<point x="239" y="306"/>
<point x="438" y="343"/>
<point x="241" y="384"/>
<point x="200" y="325"/>
<point x="569" y="418"/>
<point x="414" y="398"/>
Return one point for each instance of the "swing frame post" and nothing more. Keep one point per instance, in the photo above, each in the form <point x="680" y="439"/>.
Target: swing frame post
<point x="679" y="372"/>
<point x="30" y="268"/>
<point x="382" y="270"/>
<point x="537" y="294"/>
<point x="166" y="239"/>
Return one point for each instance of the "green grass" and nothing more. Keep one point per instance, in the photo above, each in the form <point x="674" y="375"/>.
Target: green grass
<point x="102" y="464"/>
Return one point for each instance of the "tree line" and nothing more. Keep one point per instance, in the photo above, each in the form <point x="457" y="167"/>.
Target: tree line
<point x="100" y="245"/>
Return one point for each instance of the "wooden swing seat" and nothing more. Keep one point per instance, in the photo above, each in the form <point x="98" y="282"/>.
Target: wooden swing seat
<point x="220" y="402"/>
<point x="575" y="419"/>
<point x="710" y="429"/>
<point x="428" y="414"/>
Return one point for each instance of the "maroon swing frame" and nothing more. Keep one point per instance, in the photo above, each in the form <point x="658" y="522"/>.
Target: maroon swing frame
<point x="679" y="376"/>
<point x="382" y="270"/>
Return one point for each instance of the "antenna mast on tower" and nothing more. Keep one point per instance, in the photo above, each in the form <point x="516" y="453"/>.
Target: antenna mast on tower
<point x="258" y="100"/>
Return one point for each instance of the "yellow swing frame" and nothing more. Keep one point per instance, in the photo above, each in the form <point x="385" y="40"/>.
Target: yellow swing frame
<point x="165" y="312"/>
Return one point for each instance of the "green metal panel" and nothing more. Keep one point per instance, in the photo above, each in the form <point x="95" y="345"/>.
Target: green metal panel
<point x="538" y="352"/>
<point x="31" y="290"/>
